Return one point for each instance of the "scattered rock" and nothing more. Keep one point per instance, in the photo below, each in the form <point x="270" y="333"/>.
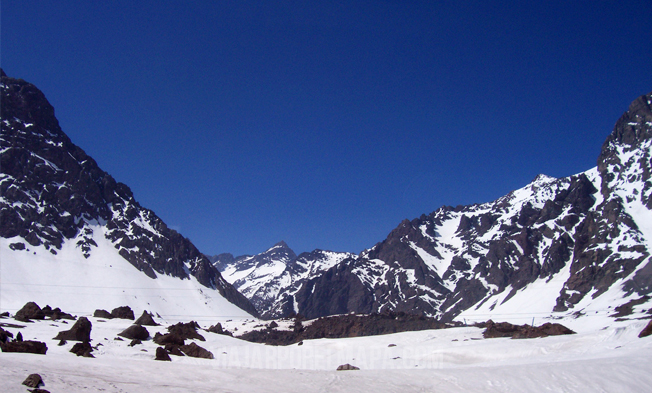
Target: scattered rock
<point x="300" y="343"/>
<point x="162" y="354"/>
<point x="19" y="337"/>
<point x="195" y="351"/>
<point x="169" y="338"/>
<point x="83" y="349"/>
<point x="38" y="391"/>
<point x="80" y="331"/>
<point x="135" y="342"/>
<point x="29" y="311"/>
<point x="216" y="329"/>
<point x="646" y="330"/>
<point x="5" y="335"/>
<point x="346" y="367"/>
<point x="186" y="330"/>
<point x="135" y="332"/>
<point x="33" y="381"/>
<point x="102" y="314"/>
<point x="174" y="350"/>
<point x="36" y="347"/>
<point x="124" y="312"/>
<point x="117" y="339"/>
<point x="146" y="320"/>
<point x="56" y="313"/>
<point x="273" y="325"/>
<point x="62" y="343"/>
<point x="391" y="345"/>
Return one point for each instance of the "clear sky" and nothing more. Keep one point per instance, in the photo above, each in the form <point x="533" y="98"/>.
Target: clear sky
<point x="325" y="123"/>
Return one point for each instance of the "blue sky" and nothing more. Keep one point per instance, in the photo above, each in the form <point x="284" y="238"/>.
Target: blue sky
<point x="324" y="124"/>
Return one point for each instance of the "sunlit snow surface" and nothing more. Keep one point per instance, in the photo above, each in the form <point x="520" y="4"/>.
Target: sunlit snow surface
<point x="452" y="360"/>
<point x="103" y="281"/>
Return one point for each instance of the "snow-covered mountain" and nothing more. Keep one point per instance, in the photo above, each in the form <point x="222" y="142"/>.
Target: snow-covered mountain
<point x="67" y="224"/>
<point x="575" y="245"/>
<point x="270" y="279"/>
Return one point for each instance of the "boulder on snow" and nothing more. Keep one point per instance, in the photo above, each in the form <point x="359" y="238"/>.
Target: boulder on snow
<point x="36" y="347"/>
<point x="346" y="367"/>
<point x="646" y="330"/>
<point x="135" y="332"/>
<point x="146" y="320"/>
<point x="33" y="381"/>
<point x="80" y="331"/>
<point x="174" y="350"/>
<point x="102" y="314"/>
<point x="29" y="311"/>
<point x="135" y="342"/>
<point x="124" y="312"/>
<point x="5" y="335"/>
<point x="169" y="338"/>
<point x="162" y="354"/>
<point x="56" y="313"/>
<point x="82" y="349"/>
<point x="186" y="330"/>
<point x="195" y="351"/>
<point x="217" y="328"/>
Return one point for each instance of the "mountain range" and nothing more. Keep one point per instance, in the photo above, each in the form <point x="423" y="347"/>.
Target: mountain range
<point x="573" y="246"/>
<point x="555" y="247"/>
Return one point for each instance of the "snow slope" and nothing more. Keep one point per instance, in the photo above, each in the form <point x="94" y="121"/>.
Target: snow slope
<point x="450" y="360"/>
<point x="104" y="280"/>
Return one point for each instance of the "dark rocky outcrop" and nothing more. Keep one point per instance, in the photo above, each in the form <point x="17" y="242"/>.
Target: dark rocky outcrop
<point x="195" y="351"/>
<point x="29" y="311"/>
<point x="55" y="314"/>
<point x="124" y="312"/>
<point x="162" y="354"/>
<point x="135" y="332"/>
<point x="82" y="349"/>
<point x="168" y="339"/>
<point x="36" y="347"/>
<point x="146" y="319"/>
<point x="80" y="331"/>
<point x="647" y="330"/>
<point x="102" y="314"/>
<point x="186" y="330"/>
<point x="6" y="335"/>
<point x="33" y="381"/>
<point x="347" y="367"/>
<point x="505" y="329"/>
<point x="346" y="326"/>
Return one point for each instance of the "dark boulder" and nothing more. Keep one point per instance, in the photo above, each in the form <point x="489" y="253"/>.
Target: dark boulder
<point x="36" y="347"/>
<point x="217" y="328"/>
<point x="80" y="331"/>
<point x="29" y="311"/>
<point x="56" y="313"/>
<point x="135" y="332"/>
<point x="124" y="312"/>
<point x="82" y="349"/>
<point x="5" y="335"/>
<point x="146" y="320"/>
<point x="646" y="330"/>
<point x="195" y="351"/>
<point x="164" y="339"/>
<point x="102" y="314"/>
<point x="135" y="342"/>
<point x="174" y="350"/>
<point x="186" y="330"/>
<point x="162" y="354"/>
<point x="19" y="337"/>
<point x="33" y="381"/>
<point x="346" y="367"/>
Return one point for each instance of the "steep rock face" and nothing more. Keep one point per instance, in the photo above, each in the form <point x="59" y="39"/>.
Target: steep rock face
<point x="554" y="246"/>
<point x="53" y="192"/>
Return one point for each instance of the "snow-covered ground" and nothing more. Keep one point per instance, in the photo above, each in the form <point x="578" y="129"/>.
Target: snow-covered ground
<point x="612" y="359"/>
